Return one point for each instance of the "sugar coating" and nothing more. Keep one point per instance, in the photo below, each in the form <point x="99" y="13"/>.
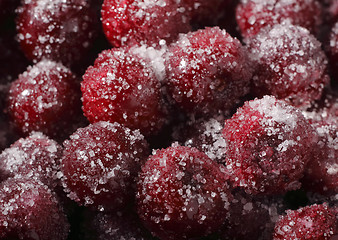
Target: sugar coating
<point x="35" y="156"/>
<point x="269" y="143"/>
<point x="290" y="65"/>
<point x="155" y="57"/>
<point x="254" y="15"/>
<point x="321" y="174"/>
<point x="311" y="222"/>
<point x="100" y="163"/>
<point x="208" y="71"/>
<point x="182" y="193"/>
<point x="134" y="22"/>
<point x="44" y="98"/>
<point x="29" y="210"/>
<point x="123" y="86"/>
<point x="55" y="29"/>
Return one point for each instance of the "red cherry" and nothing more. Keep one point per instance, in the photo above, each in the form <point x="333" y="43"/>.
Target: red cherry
<point x="45" y="98"/>
<point x="269" y="144"/>
<point x="56" y="29"/>
<point x="29" y="210"/>
<point x="182" y="194"/>
<point x="311" y="222"/>
<point x="134" y="22"/>
<point x="100" y="163"/>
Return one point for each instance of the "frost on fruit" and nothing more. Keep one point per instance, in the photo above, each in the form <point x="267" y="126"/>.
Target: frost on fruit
<point x="59" y="30"/>
<point x="254" y="15"/>
<point x="208" y="71"/>
<point x="269" y="144"/>
<point x="311" y="222"/>
<point x="124" y="86"/>
<point x="45" y="98"/>
<point x="29" y="210"/>
<point x="100" y="163"/>
<point x="135" y="22"/>
<point x="182" y="193"/>
<point x="290" y="65"/>
<point x="35" y="156"/>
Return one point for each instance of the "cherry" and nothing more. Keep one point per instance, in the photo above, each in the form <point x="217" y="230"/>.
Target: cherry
<point x="45" y="98"/>
<point x="123" y="86"/>
<point x="56" y="29"/>
<point x="254" y="15"/>
<point x="34" y="156"/>
<point x="134" y="22"/>
<point x="208" y="71"/>
<point x="290" y="65"/>
<point x="182" y="193"/>
<point x="100" y="163"/>
<point x="29" y="211"/>
<point x="311" y="222"/>
<point x="269" y="144"/>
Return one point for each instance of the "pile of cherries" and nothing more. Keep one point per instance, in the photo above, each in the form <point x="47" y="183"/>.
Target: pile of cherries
<point x="169" y="119"/>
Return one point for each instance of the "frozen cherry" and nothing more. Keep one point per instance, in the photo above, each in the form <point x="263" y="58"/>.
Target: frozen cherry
<point x="45" y="98"/>
<point x="182" y="193"/>
<point x="56" y="29"/>
<point x="123" y="86"/>
<point x="29" y="211"/>
<point x="120" y="225"/>
<point x="254" y="15"/>
<point x="100" y="163"/>
<point x="208" y="71"/>
<point x="35" y="156"/>
<point x="290" y="65"/>
<point x="315" y="222"/>
<point x="269" y="143"/>
<point x="133" y="22"/>
<point x="321" y="173"/>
